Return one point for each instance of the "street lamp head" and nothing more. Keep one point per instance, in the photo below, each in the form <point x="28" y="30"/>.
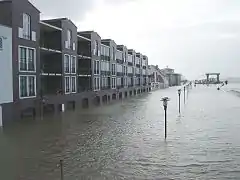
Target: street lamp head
<point x="179" y="91"/>
<point x="165" y="101"/>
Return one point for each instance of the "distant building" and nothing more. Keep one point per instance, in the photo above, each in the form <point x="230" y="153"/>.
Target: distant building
<point x="174" y="79"/>
<point x="157" y="78"/>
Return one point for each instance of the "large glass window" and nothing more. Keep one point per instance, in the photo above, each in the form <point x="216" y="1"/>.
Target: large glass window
<point x="113" y="69"/>
<point x="73" y="84"/>
<point x="27" y="59"/>
<point x="23" y="59"/>
<point x="97" y="67"/>
<point x="67" y="84"/>
<point x="27" y="86"/>
<point x="73" y="64"/>
<point x="31" y="66"/>
<point x="69" y="38"/>
<point x="26" y="26"/>
<point x="96" y="83"/>
<point x="113" y="82"/>
<point x="67" y="63"/>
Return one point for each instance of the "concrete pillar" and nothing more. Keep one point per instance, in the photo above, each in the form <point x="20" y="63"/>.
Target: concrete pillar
<point x="1" y="121"/>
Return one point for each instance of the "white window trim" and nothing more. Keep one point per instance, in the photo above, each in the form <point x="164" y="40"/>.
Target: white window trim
<point x="35" y="86"/>
<point x="75" y="58"/>
<point x="27" y="54"/>
<point x="69" y="64"/>
<point x="66" y="86"/>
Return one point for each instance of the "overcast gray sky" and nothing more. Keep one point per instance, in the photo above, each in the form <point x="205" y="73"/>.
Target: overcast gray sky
<point x="192" y="36"/>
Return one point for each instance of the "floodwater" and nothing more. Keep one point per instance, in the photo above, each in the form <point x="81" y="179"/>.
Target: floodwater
<point x="125" y="140"/>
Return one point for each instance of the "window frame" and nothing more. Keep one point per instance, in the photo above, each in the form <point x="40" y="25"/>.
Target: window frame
<point x="35" y="86"/>
<point x="27" y="55"/>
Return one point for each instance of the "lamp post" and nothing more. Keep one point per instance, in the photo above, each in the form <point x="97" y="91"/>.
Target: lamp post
<point x="184" y="89"/>
<point x="165" y="103"/>
<point x="61" y="169"/>
<point x="179" y="101"/>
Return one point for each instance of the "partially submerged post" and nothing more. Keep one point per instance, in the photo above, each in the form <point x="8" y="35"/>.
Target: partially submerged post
<point x="184" y="89"/>
<point x="61" y="168"/>
<point x="179" y="101"/>
<point x="165" y="103"/>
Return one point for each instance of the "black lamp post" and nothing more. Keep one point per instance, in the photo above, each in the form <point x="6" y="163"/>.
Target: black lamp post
<point x="165" y="103"/>
<point x="179" y="101"/>
<point x="184" y="89"/>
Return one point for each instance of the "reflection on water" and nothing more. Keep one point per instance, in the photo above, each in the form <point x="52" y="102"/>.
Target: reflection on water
<point x="125" y="140"/>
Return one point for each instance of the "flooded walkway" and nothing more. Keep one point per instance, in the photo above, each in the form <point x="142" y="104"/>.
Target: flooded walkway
<point x="125" y="140"/>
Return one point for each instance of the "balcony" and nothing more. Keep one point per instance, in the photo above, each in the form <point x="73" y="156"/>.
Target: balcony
<point x="51" y="63"/>
<point x="51" y="38"/>
<point x="84" y="48"/>
<point x="84" y="84"/>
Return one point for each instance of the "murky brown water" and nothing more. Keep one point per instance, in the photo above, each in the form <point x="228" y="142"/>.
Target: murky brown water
<point x="125" y="140"/>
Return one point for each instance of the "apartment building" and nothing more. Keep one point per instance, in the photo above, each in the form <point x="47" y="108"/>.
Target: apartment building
<point x="50" y="66"/>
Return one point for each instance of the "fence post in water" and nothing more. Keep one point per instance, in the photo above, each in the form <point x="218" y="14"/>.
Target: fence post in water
<point x="179" y="101"/>
<point x="61" y="168"/>
<point x="165" y="103"/>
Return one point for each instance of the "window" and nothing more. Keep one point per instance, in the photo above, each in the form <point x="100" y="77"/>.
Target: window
<point x="96" y="48"/>
<point x="69" y="38"/>
<point x="113" y="54"/>
<point x="97" y="67"/>
<point x="23" y="59"/>
<point x="26" y="26"/>
<point x="27" y="59"/>
<point x="113" y="83"/>
<point x="73" y="64"/>
<point x="66" y="64"/>
<point x="31" y="66"/>
<point x="96" y="83"/>
<point x="113" y="69"/>
<point x="67" y="84"/>
<point x="73" y="82"/>
<point x="27" y="86"/>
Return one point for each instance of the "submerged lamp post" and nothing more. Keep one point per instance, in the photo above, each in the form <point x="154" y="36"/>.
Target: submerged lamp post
<point x="165" y="103"/>
<point x="179" y="101"/>
<point x="184" y="89"/>
<point x="61" y="169"/>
